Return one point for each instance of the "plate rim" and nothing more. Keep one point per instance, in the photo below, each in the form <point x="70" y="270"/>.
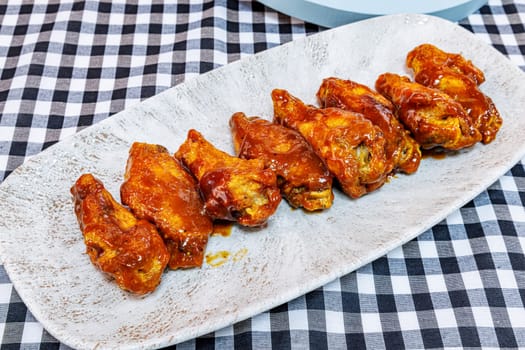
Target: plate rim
<point x="333" y="13"/>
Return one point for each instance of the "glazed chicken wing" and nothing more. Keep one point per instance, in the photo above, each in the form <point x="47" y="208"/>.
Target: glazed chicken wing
<point x="302" y="176"/>
<point x="129" y="250"/>
<point x="458" y="78"/>
<point x="352" y="147"/>
<point x="233" y="188"/>
<point x="157" y="188"/>
<point x="400" y="146"/>
<point x="433" y="117"/>
<point x="429" y="54"/>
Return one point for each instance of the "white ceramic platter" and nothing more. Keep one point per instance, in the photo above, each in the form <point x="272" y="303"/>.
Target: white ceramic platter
<point x="42" y="247"/>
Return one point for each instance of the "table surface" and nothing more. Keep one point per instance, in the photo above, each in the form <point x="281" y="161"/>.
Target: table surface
<point x="67" y="65"/>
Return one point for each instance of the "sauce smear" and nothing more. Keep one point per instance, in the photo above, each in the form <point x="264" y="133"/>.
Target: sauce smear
<point x="217" y="259"/>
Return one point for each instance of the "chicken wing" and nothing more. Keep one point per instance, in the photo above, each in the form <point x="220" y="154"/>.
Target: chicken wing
<point x="352" y="147"/>
<point x="157" y="188"/>
<point x="129" y="250"/>
<point x="302" y="176"/>
<point x="400" y="146"/>
<point x="433" y="117"/>
<point x="428" y="54"/>
<point x="458" y="78"/>
<point x="234" y="189"/>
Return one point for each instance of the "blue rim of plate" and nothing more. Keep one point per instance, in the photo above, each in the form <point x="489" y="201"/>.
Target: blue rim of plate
<point x="333" y="13"/>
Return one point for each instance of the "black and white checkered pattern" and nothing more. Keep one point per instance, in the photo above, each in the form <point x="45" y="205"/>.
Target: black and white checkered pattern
<point x="66" y="65"/>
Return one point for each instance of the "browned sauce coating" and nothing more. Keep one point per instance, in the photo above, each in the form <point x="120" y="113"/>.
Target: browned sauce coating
<point x="433" y="117"/>
<point x="222" y="228"/>
<point x="129" y="250"/>
<point x="351" y="146"/>
<point x="458" y="78"/>
<point x="303" y="177"/>
<point x="157" y="188"/>
<point x="401" y="149"/>
<point x="438" y="58"/>
<point x="234" y="189"/>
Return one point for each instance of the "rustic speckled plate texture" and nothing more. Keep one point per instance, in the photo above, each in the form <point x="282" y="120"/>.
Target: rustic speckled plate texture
<point x="42" y="247"/>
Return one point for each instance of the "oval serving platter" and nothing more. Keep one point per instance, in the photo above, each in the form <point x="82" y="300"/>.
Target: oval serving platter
<point x="41" y="244"/>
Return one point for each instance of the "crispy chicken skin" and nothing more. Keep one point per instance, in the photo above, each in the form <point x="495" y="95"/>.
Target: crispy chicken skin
<point x="429" y="54"/>
<point x="234" y="189"/>
<point x="351" y="146"/>
<point x="458" y="78"/>
<point x="302" y="176"/>
<point x="433" y="117"/>
<point x="129" y="250"/>
<point x="400" y="146"/>
<point x="157" y="188"/>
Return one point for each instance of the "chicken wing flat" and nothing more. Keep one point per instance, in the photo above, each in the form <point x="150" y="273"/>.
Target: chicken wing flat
<point x="234" y="189"/>
<point x="430" y="54"/>
<point x="433" y="117"/>
<point x="351" y="146"/>
<point x="157" y="188"/>
<point x="400" y="146"/>
<point x="302" y="176"/>
<point x="458" y="78"/>
<point x="129" y="250"/>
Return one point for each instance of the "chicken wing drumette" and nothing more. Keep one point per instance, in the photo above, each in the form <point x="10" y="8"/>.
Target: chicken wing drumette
<point x="129" y="250"/>
<point x="433" y="117"/>
<point x="351" y="146"/>
<point x="302" y="176"/>
<point x="458" y="78"/>
<point x="400" y="146"/>
<point x="233" y="188"/>
<point x="157" y="188"/>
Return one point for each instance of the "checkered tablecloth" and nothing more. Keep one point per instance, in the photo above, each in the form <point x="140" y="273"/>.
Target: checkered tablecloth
<point x="65" y="65"/>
